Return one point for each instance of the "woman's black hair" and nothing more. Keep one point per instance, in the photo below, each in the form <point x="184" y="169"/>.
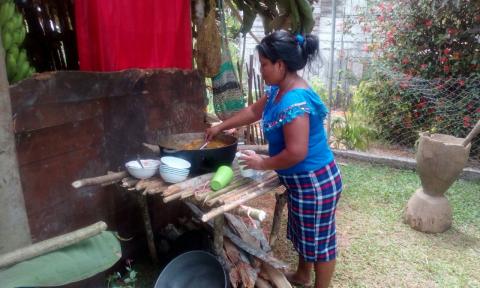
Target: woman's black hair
<point x="294" y="50"/>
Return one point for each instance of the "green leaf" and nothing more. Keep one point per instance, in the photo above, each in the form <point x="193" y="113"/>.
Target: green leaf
<point x="70" y="264"/>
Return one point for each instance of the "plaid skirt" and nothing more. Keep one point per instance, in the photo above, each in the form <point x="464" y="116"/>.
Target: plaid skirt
<point x="312" y="202"/>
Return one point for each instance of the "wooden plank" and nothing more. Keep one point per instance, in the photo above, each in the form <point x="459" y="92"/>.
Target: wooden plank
<point x="55" y="114"/>
<point x="47" y="183"/>
<point x="50" y="142"/>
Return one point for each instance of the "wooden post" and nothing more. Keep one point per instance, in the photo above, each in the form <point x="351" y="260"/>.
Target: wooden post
<point x="142" y="199"/>
<point x="281" y="200"/>
<point x="14" y="228"/>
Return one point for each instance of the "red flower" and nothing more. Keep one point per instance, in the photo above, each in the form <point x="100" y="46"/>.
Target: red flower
<point x="447" y="51"/>
<point x="443" y="60"/>
<point x="381" y="18"/>
<point x="478" y="110"/>
<point x="405" y="60"/>
<point x="428" y="23"/>
<point x="452" y="31"/>
<point x="446" y="68"/>
<point x="423" y="66"/>
<point x="404" y="85"/>
<point x="466" y="121"/>
<point x="431" y="110"/>
<point x="461" y="82"/>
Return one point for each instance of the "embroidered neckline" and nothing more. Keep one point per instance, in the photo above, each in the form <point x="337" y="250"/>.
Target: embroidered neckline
<point x="288" y="115"/>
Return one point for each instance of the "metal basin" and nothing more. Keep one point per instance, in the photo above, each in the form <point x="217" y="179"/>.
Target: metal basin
<point x="193" y="269"/>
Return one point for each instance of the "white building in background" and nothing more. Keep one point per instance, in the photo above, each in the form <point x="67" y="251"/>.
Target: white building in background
<point x="349" y="47"/>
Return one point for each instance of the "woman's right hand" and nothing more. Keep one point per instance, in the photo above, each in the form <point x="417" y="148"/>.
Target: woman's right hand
<point x="212" y="132"/>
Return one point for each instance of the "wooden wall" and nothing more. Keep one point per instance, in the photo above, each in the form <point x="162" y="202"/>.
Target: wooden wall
<point x="71" y="125"/>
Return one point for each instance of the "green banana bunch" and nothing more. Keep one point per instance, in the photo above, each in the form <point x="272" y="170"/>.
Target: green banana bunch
<point x="13" y="35"/>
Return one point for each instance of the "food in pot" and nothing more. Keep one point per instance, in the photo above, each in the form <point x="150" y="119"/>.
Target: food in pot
<point x="197" y="143"/>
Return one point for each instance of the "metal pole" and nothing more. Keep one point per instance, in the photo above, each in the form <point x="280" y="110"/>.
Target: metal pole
<point x="330" y="72"/>
<point x="14" y="229"/>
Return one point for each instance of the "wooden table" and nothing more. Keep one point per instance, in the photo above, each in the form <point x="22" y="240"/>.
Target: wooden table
<point x="196" y="193"/>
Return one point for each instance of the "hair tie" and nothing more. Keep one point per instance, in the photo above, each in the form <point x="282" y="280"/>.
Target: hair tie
<point x="300" y="39"/>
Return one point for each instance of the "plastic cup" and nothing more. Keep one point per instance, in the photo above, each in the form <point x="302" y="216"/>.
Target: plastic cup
<point x="221" y="178"/>
<point x="249" y="173"/>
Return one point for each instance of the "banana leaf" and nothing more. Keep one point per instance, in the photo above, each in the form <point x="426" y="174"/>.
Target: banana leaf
<point x="67" y="265"/>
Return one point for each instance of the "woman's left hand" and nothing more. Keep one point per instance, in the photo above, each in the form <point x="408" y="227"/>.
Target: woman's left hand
<point x="253" y="160"/>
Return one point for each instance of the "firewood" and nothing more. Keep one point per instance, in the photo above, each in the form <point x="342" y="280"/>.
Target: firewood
<point x="253" y="185"/>
<point x="129" y="182"/>
<point x="240" y="243"/>
<point x="155" y="187"/>
<point x="238" y="226"/>
<point x="251" y="212"/>
<point x="240" y="264"/>
<point x="275" y="276"/>
<point x="269" y="183"/>
<point x="52" y="244"/>
<point x="212" y="194"/>
<point x="100" y="180"/>
<point x="187" y="184"/>
<point x="261" y="283"/>
<point x="231" y="205"/>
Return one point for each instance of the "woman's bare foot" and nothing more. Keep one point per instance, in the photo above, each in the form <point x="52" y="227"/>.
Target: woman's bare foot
<point x="296" y="278"/>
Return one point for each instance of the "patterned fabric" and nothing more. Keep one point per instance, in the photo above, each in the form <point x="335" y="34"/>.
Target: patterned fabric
<point x="312" y="201"/>
<point x="227" y="96"/>
<point x="293" y="104"/>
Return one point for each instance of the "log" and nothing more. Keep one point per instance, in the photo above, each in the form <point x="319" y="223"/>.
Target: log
<point x="231" y="205"/>
<point x="241" y="270"/>
<point x="103" y="180"/>
<point x="129" y="182"/>
<point x="243" y="190"/>
<point x="281" y="200"/>
<point x="190" y="183"/>
<point x="238" y="226"/>
<point x="251" y="212"/>
<point x="50" y="245"/>
<point x="212" y="194"/>
<point x="210" y="198"/>
<point x="275" y="276"/>
<point x="240" y="243"/>
<point x="261" y="283"/>
<point x="268" y="184"/>
<point x="148" y="228"/>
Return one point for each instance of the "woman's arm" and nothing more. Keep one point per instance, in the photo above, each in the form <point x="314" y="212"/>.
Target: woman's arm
<point x="296" y="147"/>
<point x="246" y="116"/>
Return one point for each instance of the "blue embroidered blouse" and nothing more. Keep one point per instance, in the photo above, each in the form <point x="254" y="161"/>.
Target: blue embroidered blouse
<point x="294" y="103"/>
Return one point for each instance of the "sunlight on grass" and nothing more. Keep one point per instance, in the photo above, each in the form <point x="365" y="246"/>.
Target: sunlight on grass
<point x="378" y="250"/>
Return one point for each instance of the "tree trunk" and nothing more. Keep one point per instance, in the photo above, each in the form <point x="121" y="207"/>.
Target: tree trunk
<point x="14" y="229"/>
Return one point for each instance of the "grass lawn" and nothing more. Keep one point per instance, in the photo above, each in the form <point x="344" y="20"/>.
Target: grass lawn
<point x="378" y="250"/>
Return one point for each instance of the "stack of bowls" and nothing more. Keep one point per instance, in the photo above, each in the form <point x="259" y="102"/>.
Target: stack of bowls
<point x="174" y="169"/>
<point x="150" y="168"/>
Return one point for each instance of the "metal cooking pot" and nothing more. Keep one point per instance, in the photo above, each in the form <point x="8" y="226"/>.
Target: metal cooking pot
<point x="205" y="160"/>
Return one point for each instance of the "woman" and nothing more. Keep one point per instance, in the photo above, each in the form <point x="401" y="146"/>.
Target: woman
<point x="292" y="115"/>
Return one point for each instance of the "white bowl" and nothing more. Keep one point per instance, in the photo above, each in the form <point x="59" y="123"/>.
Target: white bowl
<point x="172" y="178"/>
<point x="175" y="162"/>
<point x="168" y="169"/>
<point x="150" y="168"/>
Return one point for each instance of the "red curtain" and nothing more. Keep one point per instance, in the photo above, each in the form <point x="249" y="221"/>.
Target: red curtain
<point x="120" y="34"/>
